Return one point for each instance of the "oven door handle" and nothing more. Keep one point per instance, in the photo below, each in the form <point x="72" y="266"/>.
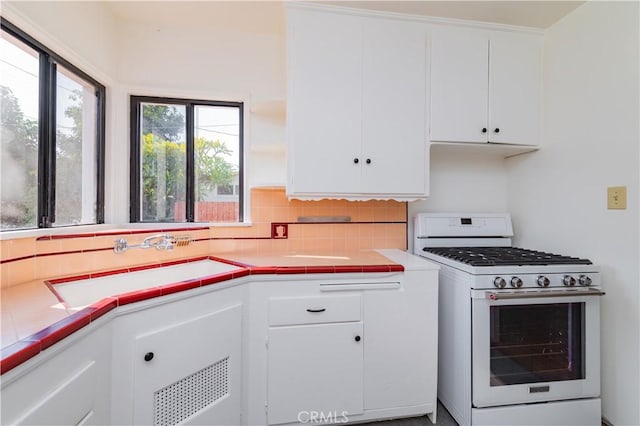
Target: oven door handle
<point x="538" y="294"/>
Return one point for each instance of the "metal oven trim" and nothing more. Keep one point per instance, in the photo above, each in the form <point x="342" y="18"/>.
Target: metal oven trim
<point x="484" y="395"/>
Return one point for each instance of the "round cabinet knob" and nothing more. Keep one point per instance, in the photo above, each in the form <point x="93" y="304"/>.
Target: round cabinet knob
<point x="357" y="338"/>
<point x="484" y="130"/>
<point x="148" y="356"/>
<point x="584" y="280"/>
<point x="543" y="281"/>
<point x="569" y="280"/>
<point x="499" y="282"/>
<point x="516" y="282"/>
<point x="497" y="130"/>
<point x="368" y="160"/>
<point x="356" y="160"/>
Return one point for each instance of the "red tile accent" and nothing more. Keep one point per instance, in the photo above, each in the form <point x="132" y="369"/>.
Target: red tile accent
<point x="228" y="262"/>
<point x="291" y="270"/>
<point x="15" y="259"/>
<point x="17" y="353"/>
<point x="63" y="328"/>
<point x="138" y="296"/>
<point x="376" y="268"/>
<point x="143" y="268"/>
<point x="119" y="232"/>
<point x="212" y="279"/>
<point x="241" y="273"/>
<point x="180" y="286"/>
<point x="102" y="307"/>
<point x="175" y="262"/>
<point x="53" y="290"/>
<point x="348" y="268"/>
<point x="107" y="273"/>
<point x="261" y="270"/>
<point x="320" y="270"/>
<point x="67" y="236"/>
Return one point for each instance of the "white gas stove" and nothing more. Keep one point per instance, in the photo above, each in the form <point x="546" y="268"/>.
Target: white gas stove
<point x="519" y="330"/>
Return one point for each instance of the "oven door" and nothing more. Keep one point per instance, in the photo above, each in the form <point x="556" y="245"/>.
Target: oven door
<point x="535" y="345"/>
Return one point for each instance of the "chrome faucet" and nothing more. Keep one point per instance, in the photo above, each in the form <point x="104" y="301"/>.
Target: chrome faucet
<point x="160" y="242"/>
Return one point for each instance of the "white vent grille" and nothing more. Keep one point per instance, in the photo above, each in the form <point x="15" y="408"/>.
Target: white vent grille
<point x="180" y="400"/>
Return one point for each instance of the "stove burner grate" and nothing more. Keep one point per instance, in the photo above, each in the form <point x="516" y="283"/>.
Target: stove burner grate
<point x="503" y="256"/>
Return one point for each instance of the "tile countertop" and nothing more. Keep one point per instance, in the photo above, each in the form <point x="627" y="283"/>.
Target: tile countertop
<point x="33" y="318"/>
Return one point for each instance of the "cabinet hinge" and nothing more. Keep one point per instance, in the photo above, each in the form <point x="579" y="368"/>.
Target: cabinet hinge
<point x="266" y="408"/>
<point x="266" y="342"/>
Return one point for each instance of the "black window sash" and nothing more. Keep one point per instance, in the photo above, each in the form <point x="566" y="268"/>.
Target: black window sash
<point x="135" y="115"/>
<point x="47" y="127"/>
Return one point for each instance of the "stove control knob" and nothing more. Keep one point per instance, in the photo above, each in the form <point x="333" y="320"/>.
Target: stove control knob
<point x="569" y="280"/>
<point x="516" y="282"/>
<point x="584" y="280"/>
<point x="543" y="281"/>
<point x="499" y="282"/>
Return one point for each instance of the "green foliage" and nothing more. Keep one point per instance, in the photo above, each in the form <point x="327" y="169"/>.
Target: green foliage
<point x="19" y="163"/>
<point x="164" y="164"/>
<point x="164" y="121"/>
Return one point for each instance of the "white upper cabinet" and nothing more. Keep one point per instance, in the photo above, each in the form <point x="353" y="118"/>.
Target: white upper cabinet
<point x="394" y="88"/>
<point x="356" y="106"/>
<point x="485" y="86"/>
<point x="459" y="85"/>
<point x="515" y="83"/>
<point x="324" y="114"/>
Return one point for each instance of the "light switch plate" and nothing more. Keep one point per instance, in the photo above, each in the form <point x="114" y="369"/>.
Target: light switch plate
<point x="617" y="197"/>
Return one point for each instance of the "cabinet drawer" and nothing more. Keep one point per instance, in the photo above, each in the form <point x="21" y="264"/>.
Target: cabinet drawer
<point x="314" y="310"/>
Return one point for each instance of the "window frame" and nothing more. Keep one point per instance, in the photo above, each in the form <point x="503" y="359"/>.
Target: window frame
<point x="48" y="62"/>
<point x="135" y="158"/>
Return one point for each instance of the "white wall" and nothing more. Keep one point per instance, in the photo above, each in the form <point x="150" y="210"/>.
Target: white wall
<point x="591" y="140"/>
<point x="81" y="32"/>
<point x="463" y="180"/>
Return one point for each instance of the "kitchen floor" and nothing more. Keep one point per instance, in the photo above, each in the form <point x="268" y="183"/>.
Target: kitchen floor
<point x="444" y="419"/>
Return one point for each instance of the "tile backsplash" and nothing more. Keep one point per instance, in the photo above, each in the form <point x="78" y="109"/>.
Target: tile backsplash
<point x="373" y="224"/>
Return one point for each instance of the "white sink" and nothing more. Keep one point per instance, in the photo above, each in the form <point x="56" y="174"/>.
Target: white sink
<point x="77" y="294"/>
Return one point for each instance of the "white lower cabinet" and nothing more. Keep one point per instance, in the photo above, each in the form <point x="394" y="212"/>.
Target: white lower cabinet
<point x="188" y="373"/>
<point x="305" y="349"/>
<point x="346" y="350"/>
<point x="181" y="362"/>
<point x="67" y="384"/>
<point x="315" y="370"/>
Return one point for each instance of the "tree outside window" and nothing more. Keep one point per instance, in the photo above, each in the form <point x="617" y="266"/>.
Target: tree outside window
<point x="186" y="149"/>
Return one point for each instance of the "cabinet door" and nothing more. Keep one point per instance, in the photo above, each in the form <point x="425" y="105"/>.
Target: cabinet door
<point x="400" y="359"/>
<point x="394" y="107"/>
<point x="324" y="73"/>
<point x="515" y="83"/>
<point x="69" y="385"/>
<point x="459" y="85"/>
<point x="315" y="368"/>
<point x="189" y="373"/>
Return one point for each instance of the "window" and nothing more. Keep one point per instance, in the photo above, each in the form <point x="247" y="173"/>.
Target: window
<point x="186" y="160"/>
<point x="52" y="138"/>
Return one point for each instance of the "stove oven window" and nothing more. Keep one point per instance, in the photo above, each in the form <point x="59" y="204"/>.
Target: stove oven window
<point x="537" y="343"/>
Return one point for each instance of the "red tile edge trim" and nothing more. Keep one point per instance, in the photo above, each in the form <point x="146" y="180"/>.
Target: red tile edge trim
<point x="213" y="279"/>
<point x="262" y="270"/>
<point x="63" y="328"/>
<point x="139" y="295"/>
<point x="17" y="259"/>
<point x="120" y="232"/>
<point x="229" y="262"/>
<point x="180" y="286"/>
<point x="102" y="307"/>
<point x="17" y="353"/>
<point x="53" y="290"/>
